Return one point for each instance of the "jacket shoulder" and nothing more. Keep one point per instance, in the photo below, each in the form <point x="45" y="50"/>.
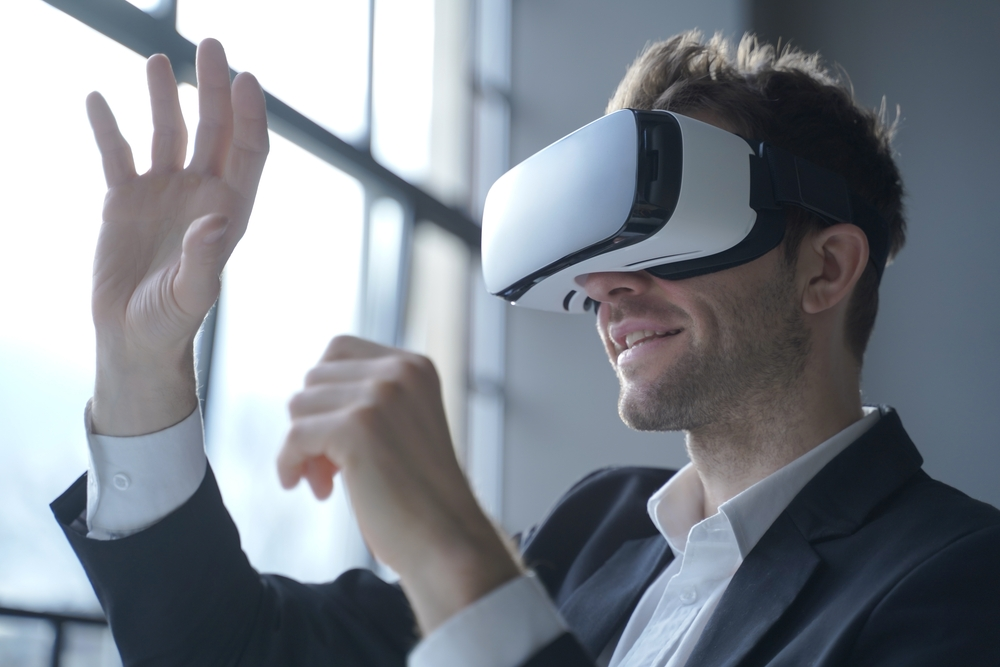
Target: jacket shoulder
<point x="933" y="514"/>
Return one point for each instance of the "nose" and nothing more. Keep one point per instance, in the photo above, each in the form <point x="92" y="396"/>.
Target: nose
<point x="610" y="287"/>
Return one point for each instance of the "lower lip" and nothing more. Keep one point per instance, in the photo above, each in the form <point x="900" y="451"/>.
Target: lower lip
<point x="637" y="354"/>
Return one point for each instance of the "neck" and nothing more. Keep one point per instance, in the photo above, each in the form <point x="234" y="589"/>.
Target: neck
<point x="771" y="429"/>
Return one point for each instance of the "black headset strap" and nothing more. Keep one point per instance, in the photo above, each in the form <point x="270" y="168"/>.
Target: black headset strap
<point x="777" y="177"/>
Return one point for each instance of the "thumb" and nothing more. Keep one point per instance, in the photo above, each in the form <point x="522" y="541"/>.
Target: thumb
<point x="203" y="254"/>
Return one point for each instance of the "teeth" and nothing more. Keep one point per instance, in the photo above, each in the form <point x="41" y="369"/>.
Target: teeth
<point x="636" y="336"/>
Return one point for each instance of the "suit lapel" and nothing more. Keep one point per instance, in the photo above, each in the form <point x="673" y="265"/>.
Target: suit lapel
<point x="834" y="503"/>
<point x="596" y="609"/>
<point x="765" y="585"/>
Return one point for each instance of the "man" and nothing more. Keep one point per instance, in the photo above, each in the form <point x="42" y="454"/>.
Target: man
<point x="803" y="532"/>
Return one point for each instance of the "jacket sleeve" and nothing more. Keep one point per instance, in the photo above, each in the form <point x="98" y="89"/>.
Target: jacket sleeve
<point x="182" y="592"/>
<point x="944" y="612"/>
<point x="565" y="651"/>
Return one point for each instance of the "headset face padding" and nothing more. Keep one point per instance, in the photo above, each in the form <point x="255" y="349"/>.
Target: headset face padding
<point x="647" y="190"/>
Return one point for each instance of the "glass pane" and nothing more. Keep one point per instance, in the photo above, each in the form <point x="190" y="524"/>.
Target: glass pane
<point x="437" y="316"/>
<point x="311" y="55"/>
<point x="88" y="646"/>
<point x="403" y="85"/>
<point x="290" y="286"/>
<point x="26" y="642"/>
<point x="52" y="188"/>
<point x="385" y="252"/>
<point x="149" y="6"/>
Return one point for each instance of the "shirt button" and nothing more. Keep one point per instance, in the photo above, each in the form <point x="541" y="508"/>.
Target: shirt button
<point x="688" y="596"/>
<point x="121" y="481"/>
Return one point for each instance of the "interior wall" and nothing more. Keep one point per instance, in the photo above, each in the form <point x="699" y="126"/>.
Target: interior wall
<point x="561" y="419"/>
<point x="934" y="354"/>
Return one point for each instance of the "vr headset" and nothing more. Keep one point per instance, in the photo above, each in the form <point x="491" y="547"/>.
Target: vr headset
<point x="650" y="191"/>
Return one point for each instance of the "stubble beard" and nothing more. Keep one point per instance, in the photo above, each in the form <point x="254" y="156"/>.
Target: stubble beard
<point x="757" y="361"/>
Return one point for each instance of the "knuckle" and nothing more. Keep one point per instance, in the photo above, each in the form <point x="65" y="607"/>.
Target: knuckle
<point x="296" y="404"/>
<point x="383" y="391"/>
<point x="339" y="347"/>
<point x="169" y="133"/>
<point x="424" y="365"/>
<point x="365" y="415"/>
<point x="417" y="369"/>
<point x="297" y="433"/>
<point x="314" y="375"/>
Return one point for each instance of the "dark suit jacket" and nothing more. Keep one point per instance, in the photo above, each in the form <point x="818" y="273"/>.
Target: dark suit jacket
<point x="873" y="563"/>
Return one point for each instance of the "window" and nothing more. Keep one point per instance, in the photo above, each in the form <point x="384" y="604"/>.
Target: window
<point x="290" y="286"/>
<point x="311" y="55"/>
<point x="52" y="189"/>
<point x="332" y="247"/>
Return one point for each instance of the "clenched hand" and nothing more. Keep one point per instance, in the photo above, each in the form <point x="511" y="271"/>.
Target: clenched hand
<point x="375" y="414"/>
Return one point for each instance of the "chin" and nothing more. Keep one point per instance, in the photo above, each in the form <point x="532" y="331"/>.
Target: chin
<point x="642" y="412"/>
<point x="677" y="399"/>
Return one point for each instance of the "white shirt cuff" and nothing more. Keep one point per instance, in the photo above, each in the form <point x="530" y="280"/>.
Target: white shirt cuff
<point x="136" y="481"/>
<point x="502" y="629"/>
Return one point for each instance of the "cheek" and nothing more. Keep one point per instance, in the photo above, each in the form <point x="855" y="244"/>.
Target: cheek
<point x="602" y="331"/>
<point x="706" y="326"/>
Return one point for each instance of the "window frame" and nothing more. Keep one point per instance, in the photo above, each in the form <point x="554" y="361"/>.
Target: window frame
<point x="155" y="31"/>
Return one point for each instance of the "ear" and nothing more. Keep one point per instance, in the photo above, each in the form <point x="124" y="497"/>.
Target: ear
<point x="831" y="262"/>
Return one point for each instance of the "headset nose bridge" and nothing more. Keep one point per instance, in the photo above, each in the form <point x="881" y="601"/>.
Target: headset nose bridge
<point x="610" y="286"/>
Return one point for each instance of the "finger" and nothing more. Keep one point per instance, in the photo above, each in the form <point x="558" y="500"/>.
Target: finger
<point x="352" y="347"/>
<point x="328" y="397"/>
<point x="215" y="110"/>
<point x="347" y="370"/>
<point x="319" y="473"/>
<point x="250" y="141"/>
<point x="115" y="151"/>
<point x="169" y="131"/>
<point x="203" y="254"/>
<point x="326" y="435"/>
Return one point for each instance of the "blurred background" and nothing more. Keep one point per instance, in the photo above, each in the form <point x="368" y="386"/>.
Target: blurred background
<point x="390" y="119"/>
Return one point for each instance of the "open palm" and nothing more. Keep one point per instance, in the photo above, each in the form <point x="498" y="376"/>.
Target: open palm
<point x="168" y="233"/>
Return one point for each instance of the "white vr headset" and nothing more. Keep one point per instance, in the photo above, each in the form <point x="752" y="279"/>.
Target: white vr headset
<point x="650" y="191"/>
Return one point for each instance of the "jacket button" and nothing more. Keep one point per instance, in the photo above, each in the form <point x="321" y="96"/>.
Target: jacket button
<point x="121" y="481"/>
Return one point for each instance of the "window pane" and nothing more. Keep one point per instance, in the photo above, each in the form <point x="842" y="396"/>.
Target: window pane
<point x="148" y="6"/>
<point x="385" y="255"/>
<point x="26" y="642"/>
<point x="290" y="286"/>
<point x="311" y="55"/>
<point x="88" y="646"/>
<point x="52" y="189"/>
<point x="403" y="85"/>
<point x="437" y="316"/>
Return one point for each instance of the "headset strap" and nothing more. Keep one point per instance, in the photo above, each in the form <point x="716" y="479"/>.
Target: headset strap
<point x="777" y="177"/>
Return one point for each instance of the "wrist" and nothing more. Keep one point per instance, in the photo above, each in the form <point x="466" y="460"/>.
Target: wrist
<point x="455" y="577"/>
<point x="141" y="391"/>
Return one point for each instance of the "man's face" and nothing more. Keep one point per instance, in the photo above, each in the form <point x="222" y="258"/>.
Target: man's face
<point x="689" y="353"/>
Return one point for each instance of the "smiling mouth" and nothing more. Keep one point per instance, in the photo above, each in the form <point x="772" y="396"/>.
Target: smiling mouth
<point x="637" y="338"/>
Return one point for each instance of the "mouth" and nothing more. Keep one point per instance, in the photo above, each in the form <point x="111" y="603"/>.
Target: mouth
<point x="638" y="338"/>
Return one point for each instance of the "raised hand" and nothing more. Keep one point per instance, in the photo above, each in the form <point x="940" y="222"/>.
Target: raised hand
<point x="166" y="236"/>
<point x="375" y="414"/>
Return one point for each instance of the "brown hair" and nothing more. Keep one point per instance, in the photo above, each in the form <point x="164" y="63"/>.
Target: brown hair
<point x="790" y="99"/>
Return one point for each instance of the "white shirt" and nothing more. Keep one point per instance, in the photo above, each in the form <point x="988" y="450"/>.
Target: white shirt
<point x="135" y="482"/>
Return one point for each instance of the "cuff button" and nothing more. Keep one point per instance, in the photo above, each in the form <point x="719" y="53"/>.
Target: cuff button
<point x="121" y="481"/>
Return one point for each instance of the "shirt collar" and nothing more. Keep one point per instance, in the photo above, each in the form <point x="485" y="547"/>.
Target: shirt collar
<point x="677" y="506"/>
